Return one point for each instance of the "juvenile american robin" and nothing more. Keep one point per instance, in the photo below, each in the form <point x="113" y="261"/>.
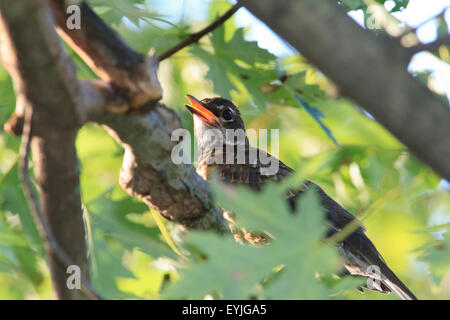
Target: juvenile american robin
<point x="220" y="116"/>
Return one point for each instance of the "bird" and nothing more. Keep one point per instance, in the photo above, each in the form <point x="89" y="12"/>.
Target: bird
<point x="221" y="116"/>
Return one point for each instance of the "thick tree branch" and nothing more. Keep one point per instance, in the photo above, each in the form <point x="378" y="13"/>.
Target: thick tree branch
<point x="44" y="80"/>
<point x="149" y="173"/>
<point x="370" y="70"/>
<point x="33" y="203"/>
<point x="195" y="37"/>
<point x="131" y="74"/>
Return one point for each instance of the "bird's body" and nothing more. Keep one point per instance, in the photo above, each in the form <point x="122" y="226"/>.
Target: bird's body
<point x="361" y="258"/>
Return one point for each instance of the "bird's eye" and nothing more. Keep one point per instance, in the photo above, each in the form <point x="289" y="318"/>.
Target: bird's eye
<point x="227" y="115"/>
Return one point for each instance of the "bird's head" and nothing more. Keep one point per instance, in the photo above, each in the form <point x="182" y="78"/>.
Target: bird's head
<point x="217" y="113"/>
<point x="214" y="113"/>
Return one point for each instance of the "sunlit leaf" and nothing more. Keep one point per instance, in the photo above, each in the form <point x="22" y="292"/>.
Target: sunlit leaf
<point x="233" y="271"/>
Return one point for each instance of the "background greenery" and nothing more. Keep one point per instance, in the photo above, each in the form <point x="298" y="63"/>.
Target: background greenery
<point x="326" y="138"/>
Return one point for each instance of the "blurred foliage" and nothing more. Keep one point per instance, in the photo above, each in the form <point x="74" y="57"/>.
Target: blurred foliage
<point x="285" y="269"/>
<point x="398" y="5"/>
<point x="404" y="205"/>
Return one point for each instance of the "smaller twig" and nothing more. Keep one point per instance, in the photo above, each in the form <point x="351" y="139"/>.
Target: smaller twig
<point x="14" y="125"/>
<point x="195" y="37"/>
<point x="443" y="41"/>
<point x="33" y="203"/>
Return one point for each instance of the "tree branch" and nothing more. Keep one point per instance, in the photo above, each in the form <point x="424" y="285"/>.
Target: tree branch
<point x="131" y="74"/>
<point x="49" y="239"/>
<point x="46" y="85"/>
<point x="442" y="41"/>
<point x="176" y="191"/>
<point x="149" y="173"/>
<point x="195" y="37"/>
<point x="378" y="79"/>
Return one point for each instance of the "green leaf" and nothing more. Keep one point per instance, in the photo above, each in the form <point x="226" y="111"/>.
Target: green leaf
<point x="10" y="237"/>
<point x="437" y="254"/>
<point x="229" y="271"/>
<point x="29" y="264"/>
<point x="107" y="267"/>
<point x="111" y="232"/>
<point x="13" y="200"/>
<point x="317" y="115"/>
<point x="234" y="271"/>
<point x="112" y="11"/>
<point x="234" y="61"/>
<point x="109" y="217"/>
<point x="240" y="49"/>
<point x="354" y="4"/>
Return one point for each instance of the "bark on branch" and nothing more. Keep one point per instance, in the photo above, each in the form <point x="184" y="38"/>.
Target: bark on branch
<point x="149" y="173"/>
<point x="369" y="70"/>
<point x="131" y="74"/>
<point x="45" y="80"/>
<point x="45" y="83"/>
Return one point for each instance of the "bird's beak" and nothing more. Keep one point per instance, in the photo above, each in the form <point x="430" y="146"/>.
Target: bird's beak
<point x="197" y="108"/>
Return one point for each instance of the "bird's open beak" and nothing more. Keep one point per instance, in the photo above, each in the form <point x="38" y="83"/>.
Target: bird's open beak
<point x="197" y="108"/>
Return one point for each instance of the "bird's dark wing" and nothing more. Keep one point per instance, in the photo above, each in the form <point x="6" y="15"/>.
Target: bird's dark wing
<point x="248" y="172"/>
<point x="360" y="255"/>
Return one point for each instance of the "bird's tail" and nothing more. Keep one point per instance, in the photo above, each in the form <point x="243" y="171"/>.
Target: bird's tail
<point x="399" y="289"/>
<point x="394" y="284"/>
